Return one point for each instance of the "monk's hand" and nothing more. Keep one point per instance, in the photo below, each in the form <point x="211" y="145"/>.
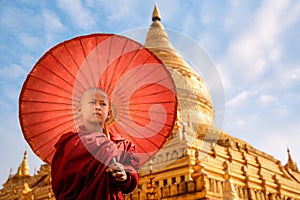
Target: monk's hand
<point x="117" y="171"/>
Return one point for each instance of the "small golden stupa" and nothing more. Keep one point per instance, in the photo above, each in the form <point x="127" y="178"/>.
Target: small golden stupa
<point x="24" y="186"/>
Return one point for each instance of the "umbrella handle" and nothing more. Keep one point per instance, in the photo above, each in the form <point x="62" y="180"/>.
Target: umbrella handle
<point x="113" y="161"/>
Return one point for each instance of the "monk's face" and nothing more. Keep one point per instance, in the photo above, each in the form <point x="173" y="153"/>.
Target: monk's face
<point x="94" y="107"/>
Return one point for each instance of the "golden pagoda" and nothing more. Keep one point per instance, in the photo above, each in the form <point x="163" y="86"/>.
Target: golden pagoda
<point x="193" y="164"/>
<point x="23" y="186"/>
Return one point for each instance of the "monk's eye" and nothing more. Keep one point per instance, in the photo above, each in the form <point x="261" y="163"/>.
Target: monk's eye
<point x="92" y="102"/>
<point x="103" y="104"/>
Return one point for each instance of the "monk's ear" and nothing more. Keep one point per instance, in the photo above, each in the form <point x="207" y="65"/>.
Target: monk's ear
<point x="78" y="108"/>
<point x="109" y="111"/>
<point x="109" y="115"/>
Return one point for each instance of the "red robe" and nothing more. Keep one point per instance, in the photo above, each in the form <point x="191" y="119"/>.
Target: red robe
<point x="78" y="167"/>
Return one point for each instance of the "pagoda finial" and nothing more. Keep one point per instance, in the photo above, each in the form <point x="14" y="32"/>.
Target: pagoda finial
<point x="289" y="153"/>
<point x="10" y="173"/>
<point x="291" y="163"/>
<point x="23" y="169"/>
<point x="157" y="36"/>
<point x="156" y="14"/>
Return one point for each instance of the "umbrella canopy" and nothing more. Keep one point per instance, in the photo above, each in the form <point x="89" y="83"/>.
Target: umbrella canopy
<point x="140" y="88"/>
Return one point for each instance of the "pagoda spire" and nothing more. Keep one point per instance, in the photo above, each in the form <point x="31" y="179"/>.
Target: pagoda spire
<point x="157" y="41"/>
<point x="157" y="36"/>
<point x="23" y="169"/>
<point x="10" y="173"/>
<point x="156" y="14"/>
<point x="188" y="83"/>
<point x="291" y="163"/>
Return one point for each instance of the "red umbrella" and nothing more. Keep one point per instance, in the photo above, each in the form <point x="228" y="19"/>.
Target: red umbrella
<point x="141" y="91"/>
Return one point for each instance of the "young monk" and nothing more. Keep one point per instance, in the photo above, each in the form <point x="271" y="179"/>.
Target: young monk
<point x="90" y="164"/>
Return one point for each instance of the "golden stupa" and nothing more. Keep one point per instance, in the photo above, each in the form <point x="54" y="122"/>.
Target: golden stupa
<point x="203" y="162"/>
<point x="199" y="161"/>
<point x="23" y="186"/>
<point x="193" y="94"/>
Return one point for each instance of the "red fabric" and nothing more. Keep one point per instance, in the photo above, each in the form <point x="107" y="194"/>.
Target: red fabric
<point x="78" y="174"/>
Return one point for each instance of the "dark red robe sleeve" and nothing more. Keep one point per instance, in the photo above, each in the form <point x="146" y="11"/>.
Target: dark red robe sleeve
<point x="79" y="167"/>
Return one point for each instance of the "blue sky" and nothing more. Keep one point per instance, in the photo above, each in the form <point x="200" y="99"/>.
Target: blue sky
<point x="254" y="45"/>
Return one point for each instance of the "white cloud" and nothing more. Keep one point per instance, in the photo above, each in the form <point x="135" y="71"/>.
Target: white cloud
<point x="260" y="65"/>
<point x="240" y="99"/>
<point x="129" y="12"/>
<point x="287" y="134"/>
<point x="296" y="73"/>
<point x="265" y="129"/>
<point x="89" y="3"/>
<point x="289" y="78"/>
<point x="171" y="10"/>
<point x="12" y="72"/>
<point x="240" y="122"/>
<point x="259" y="45"/>
<point x="4" y="105"/>
<point x="29" y="41"/>
<point x="227" y="82"/>
<point x="117" y="10"/>
<point x="28" y="61"/>
<point x="275" y="54"/>
<point x="277" y="143"/>
<point x="265" y="98"/>
<point x="292" y="16"/>
<point x="11" y="92"/>
<point x="79" y="14"/>
<point x="238" y="15"/>
<point x="16" y="19"/>
<point x="206" y="19"/>
<point x="52" y="24"/>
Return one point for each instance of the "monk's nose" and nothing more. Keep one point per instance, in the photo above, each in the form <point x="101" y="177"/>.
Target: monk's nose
<point x="97" y="107"/>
